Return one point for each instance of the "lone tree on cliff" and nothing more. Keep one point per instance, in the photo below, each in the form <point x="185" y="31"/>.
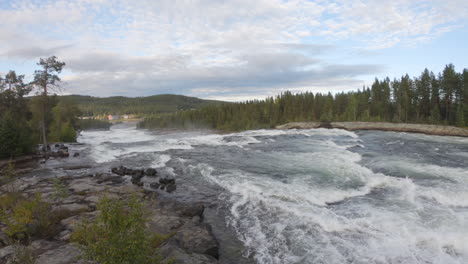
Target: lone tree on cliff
<point x="47" y="79"/>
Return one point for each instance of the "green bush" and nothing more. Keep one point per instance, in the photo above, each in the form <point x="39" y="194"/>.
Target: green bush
<point x="29" y="217"/>
<point x="23" y="255"/>
<point x="14" y="136"/>
<point x="8" y="174"/>
<point x="60" y="189"/>
<point x="118" y="235"/>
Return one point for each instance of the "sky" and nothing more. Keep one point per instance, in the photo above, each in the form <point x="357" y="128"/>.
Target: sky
<point x="231" y="49"/>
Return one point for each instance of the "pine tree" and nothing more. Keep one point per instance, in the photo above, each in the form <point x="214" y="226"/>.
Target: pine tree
<point x="47" y="79"/>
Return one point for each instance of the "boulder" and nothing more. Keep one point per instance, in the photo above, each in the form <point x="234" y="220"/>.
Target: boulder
<point x="71" y="222"/>
<point x="41" y="246"/>
<point x="77" y="167"/>
<point x="190" y="210"/>
<point x="73" y="208"/>
<point x="151" y="172"/>
<point x="165" y="181"/>
<point x="138" y="173"/>
<point x="63" y="148"/>
<point x="85" y="185"/>
<point x="176" y="255"/>
<point x="66" y="254"/>
<point x="76" y="154"/>
<point x="119" y="171"/>
<point x="171" y="187"/>
<point x="197" y="239"/>
<point x="108" y="178"/>
<point x="165" y="224"/>
<point x="136" y="179"/>
<point x="154" y="185"/>
<point x="5" y="240"/>
<point x="59" y="154"/>
<point x="7" y="252"/>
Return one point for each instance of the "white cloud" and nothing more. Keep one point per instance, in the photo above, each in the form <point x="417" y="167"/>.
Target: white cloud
<point x="215" y="48"/>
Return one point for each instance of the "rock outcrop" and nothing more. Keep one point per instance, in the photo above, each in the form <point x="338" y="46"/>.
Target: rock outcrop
<point x="190" y="238"/>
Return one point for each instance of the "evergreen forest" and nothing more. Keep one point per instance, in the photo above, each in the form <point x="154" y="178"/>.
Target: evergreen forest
<point x="119" y="105"/>
<point x="429" y="98"/>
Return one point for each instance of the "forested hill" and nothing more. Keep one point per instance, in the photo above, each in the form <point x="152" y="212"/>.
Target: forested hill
<point x="164" y="103"/>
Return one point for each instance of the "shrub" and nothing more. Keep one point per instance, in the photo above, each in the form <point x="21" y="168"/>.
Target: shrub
<point x="8" y="174"/>
<point x="60" y="189"/>
<point x="14" y="136"/>
<point x="9" y="199"/>
<point x="23" y="255"/>
<point x="118" y="235"/>
<point x="26" y="218"/>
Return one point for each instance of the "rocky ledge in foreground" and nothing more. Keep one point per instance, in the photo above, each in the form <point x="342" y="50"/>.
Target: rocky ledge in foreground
<point x="190" y="239"/>
<point x="396" y="127"/>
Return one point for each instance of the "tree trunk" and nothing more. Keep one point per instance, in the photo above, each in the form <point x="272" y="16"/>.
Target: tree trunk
<point x="44" y="129"/>
<point x="44" y="124"/>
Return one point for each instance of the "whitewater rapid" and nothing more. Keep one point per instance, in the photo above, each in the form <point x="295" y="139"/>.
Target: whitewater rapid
<point x="316" y="196"/>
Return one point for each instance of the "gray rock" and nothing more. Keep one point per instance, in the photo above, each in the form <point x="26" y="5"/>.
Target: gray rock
<point x="41" y="246"/>
<point x="6" y="252"/>
<point x="73" y="208"/>
<point x="119" y="171"/>
<point x="86" y="185"/>
<point x="165" y="224"/>
<point x="154" y="185"/>
<point x="136" y="179"/>
<point x="197" y="239"/>
<point x="190" y="210"/>
<point x="72" y="199"/>
<point x="171" y="187"/>
<point x="71" y="222"/>
<point x="150" y="172"/>
<point x="66" y="254"/>
<point x="64" y="236"/>
<point x="178" y="256"/>
<point x="4" y="239"/>
<point x="166" y="181"/>
<point x="77" y="167"/>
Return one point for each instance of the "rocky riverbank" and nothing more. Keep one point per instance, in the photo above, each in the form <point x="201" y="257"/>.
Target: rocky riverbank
<point x="191" y="240"/>
<point x="396" y="127"/>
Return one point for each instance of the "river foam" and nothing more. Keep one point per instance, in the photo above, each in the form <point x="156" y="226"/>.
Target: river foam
<point x="320" y="195"/>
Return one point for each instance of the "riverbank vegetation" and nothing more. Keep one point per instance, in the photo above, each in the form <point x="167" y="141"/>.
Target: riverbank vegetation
<point x="429" y="98"/>
<point x="28" y="121"/>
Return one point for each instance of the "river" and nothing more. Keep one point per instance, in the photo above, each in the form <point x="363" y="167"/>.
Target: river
<point x="312" y="196"/>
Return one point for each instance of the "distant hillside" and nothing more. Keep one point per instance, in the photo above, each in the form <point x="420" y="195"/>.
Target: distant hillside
<point x="164" y="103"/>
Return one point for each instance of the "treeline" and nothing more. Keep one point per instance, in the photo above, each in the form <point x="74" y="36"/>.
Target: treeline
<point x="428" y="98"/>
<point x="25" y="122"/>
<point x="119" y="105"/>
<point x="94" y="124"/>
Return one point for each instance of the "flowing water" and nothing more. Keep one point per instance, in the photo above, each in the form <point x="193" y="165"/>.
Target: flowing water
<point x="314" y="196"/>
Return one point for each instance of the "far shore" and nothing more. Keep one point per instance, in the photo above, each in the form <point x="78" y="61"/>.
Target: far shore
<point x="437" y="130"/>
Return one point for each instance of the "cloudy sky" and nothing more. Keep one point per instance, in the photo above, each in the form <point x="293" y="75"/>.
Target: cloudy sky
<point x="231" y="49"/>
